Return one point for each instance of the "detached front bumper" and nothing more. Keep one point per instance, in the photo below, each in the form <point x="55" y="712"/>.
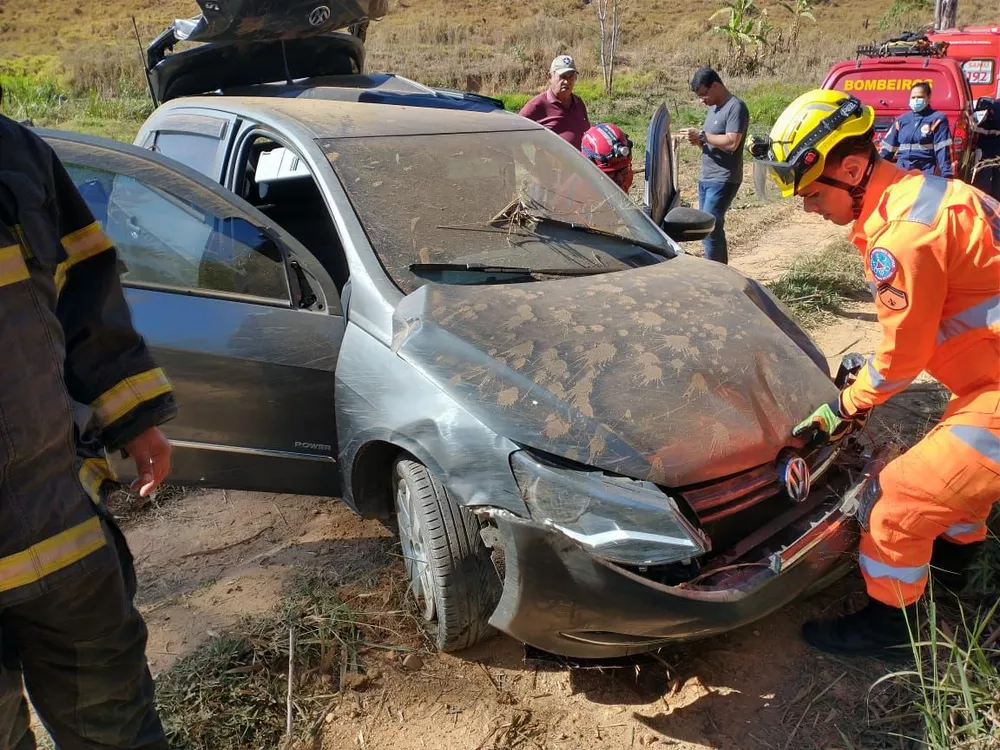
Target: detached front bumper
<point x="559" y="598"/>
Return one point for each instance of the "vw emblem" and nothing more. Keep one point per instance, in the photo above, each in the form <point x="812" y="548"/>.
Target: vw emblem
<point x="320" y="15"/>
<point x="795" y="477"/>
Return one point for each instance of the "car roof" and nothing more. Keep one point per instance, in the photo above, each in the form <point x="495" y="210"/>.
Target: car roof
<point x="322" y="118"/>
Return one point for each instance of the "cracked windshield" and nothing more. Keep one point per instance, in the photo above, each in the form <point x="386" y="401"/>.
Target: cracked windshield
<point x="432" y="205"/>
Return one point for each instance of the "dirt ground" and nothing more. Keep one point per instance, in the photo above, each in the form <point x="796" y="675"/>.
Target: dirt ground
<point x="209" y="557"/>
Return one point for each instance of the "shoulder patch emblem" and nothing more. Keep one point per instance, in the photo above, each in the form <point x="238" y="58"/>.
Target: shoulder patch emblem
<point x="925" y="129"/>
<point x="882" y="264"/>
<point x="893" y="298"/>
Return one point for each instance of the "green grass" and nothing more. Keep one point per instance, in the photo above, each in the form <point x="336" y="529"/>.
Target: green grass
<point x="48" y="101"/>
<point x="985" y="578"/>
<point x="950" y="700"/>
<point x="820" y="283"/>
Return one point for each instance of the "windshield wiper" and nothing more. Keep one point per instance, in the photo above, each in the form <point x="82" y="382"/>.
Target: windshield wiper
<point x="512" y="270"/>
<point x="587" y="229"/>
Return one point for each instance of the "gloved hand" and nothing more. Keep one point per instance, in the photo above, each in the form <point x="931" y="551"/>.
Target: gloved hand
<point x="828" y="423"/>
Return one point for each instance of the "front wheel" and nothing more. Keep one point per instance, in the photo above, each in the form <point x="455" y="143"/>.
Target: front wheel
<point x="448" y="566"/>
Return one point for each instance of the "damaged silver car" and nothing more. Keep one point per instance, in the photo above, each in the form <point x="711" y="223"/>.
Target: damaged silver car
<point x="451" y="320"/>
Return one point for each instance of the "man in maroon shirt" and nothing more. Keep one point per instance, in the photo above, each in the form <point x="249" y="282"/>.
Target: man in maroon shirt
<point x="558" y="108"/>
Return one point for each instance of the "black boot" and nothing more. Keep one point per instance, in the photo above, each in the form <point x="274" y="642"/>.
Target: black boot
<point x="950" y="564"/>
<point x="877" y="630"/>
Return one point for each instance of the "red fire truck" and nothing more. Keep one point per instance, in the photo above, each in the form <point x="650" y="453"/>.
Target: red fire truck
<point x="882" y="76"/>
<point x="977" y="49"/>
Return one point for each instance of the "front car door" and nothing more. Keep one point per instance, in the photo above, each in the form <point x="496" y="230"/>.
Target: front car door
<point x="660" y="192"/>
<point x="245" y="323"/>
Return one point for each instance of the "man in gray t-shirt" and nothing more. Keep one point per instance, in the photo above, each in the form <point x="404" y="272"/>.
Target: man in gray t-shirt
<point x="721" y="141"/>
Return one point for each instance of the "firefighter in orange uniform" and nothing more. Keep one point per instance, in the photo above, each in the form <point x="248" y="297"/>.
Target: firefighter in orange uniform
<point x="931" y="249"/>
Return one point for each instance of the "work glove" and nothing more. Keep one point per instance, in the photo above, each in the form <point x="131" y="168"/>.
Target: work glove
<point x="828" y="423"/>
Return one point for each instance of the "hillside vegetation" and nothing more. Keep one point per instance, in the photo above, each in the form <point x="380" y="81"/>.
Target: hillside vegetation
<point x="77" y="64"/>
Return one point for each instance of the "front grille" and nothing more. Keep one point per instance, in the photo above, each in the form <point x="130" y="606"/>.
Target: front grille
<point x="717" y="500"/>
<point x="720" y="499"/>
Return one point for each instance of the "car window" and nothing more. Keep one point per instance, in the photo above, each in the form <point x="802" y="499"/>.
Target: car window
<point x="979" y="72"/>
<point x="167" y="241"/>
<point x="512" y="198"/>
<point x="887" y="88"/>
<point x="192" y="150"/>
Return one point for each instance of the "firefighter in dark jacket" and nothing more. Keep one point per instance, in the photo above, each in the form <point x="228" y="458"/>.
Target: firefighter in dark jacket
<point x="68" y="627"/>
<point x="987" y="129"/>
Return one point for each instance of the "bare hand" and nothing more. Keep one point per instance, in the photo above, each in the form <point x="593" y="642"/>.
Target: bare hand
<point x="693" y="136"/>
<point x="151" y="453"/>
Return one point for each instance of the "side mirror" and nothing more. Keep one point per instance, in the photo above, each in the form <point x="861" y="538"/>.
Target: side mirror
<point x="688" y="224"/>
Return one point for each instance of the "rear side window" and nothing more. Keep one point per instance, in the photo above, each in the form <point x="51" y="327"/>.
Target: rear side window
<point x="890" y="89"/>
<point x="979" y="72"/>
<point x="198" y="152"/>
<point x="195" y="140"/>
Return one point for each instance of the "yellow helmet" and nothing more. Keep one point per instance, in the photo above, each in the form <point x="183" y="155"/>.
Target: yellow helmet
<point x="804" y="134"/>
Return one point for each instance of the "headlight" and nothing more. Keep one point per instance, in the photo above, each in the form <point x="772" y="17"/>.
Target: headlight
<point x="623" y="520"/>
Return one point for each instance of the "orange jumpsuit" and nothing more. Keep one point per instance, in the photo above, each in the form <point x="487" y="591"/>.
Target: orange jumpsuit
<point x="932" y="259"/>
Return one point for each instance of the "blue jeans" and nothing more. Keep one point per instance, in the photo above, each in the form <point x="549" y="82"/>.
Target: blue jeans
<point x="715" y="198"/>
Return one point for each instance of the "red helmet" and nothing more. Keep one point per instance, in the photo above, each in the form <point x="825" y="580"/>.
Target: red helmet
<point x="611" y="150"/>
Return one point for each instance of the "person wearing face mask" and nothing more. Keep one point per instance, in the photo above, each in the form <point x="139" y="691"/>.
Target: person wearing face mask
<point x="920" y="139"/>
<point x="987" y="128"/>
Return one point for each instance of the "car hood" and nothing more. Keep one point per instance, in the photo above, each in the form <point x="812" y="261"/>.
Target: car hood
<point x="676" y="373"/>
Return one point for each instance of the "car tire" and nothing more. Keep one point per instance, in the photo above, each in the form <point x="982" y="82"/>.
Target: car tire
<point x="448" y="566"/>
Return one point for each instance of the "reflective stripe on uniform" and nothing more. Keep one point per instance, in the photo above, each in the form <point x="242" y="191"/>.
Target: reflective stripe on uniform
<point x="984" y="315"/>
<point x="12" y="266"/>
<point x="980" y="439"/>
<point x="911" y="147"/>
<point x="93" y="473"/>
<point x="879" y="382"/>
<point x="903" y="574"/>
<point x="128" y="394"/>
<point x="79" y="246"/>
<point x="51" y="555"/>
<point x="964" y="529"/>
<point x="942" y="144"/>
<point x="925" y="208"/>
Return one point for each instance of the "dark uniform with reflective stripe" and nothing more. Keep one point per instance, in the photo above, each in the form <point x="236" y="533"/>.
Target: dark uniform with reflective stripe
<point x="987" y="178"/>
<point x="920" y="141"/>
<point x="66" y="613"/>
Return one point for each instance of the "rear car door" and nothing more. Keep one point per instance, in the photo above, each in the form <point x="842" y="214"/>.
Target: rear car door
<point x="244" y="321"/>
<point x="661" y="179"/>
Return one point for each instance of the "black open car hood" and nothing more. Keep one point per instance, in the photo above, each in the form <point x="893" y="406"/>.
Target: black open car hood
<point x="676" y="373"/>
<point x="249" y="42"/>
<point x="272" y="20"/>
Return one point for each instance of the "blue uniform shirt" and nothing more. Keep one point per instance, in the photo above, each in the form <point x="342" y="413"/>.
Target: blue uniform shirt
<point x="920" y="141"/>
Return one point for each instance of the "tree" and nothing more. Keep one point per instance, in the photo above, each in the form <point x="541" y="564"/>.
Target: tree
<point x="799" y="9"/>
<point x="945" y="12"/>
<point x="747" y="32"/>
<point x="609" y="17"/>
